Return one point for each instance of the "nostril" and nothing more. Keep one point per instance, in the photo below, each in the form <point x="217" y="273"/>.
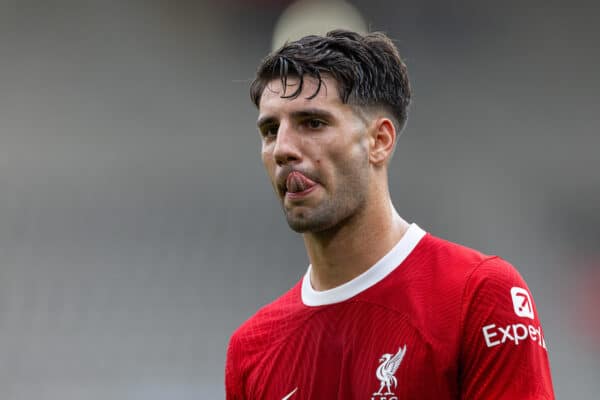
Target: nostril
<point x="287" y="160"/>
<point x="286" y="157"/>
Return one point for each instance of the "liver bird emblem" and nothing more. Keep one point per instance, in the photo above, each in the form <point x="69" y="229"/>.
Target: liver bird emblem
<point x="387" y="369"/>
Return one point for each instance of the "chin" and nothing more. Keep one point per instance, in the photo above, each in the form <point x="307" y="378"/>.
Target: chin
<point x="299" y="225"/>
<point x="308" y="225"/>
<point x="318" y="219"/>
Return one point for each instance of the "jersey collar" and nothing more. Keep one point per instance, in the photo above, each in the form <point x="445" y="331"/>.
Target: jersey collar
<point x="370" y="277"/>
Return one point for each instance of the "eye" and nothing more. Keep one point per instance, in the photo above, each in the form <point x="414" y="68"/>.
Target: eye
<point x="269" y="131"/>
<point x="314" y="123"/>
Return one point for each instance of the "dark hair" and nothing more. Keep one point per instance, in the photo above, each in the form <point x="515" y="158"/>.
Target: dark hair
<point x="368" y="70"/>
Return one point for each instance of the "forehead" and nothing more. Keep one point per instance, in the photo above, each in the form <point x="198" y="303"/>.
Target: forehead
<point x="327" y="96"/>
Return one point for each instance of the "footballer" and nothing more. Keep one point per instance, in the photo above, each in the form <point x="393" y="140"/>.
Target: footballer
<point x="385" y="311"/>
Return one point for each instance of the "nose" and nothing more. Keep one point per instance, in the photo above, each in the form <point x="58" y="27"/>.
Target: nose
<point x="286" y="148"/>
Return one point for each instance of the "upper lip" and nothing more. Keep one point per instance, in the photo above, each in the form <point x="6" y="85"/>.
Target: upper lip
<point x="282" y="176"/>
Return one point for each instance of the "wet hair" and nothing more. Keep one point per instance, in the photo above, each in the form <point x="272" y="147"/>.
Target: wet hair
<point x="367" y="68"/>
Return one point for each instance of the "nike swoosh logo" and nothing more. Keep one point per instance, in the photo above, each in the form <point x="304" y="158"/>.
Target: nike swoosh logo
<point x="290" y="394"/>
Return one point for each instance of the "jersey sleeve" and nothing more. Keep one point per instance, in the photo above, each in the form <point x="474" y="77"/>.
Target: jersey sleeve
<point x="503" y="350"/>
<point x="233" y="382"/>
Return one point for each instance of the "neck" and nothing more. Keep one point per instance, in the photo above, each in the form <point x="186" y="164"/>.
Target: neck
<point x="343" y="253"/>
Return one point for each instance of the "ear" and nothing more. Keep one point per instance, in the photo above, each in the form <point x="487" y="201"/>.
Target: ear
<point x="382" y="141"/>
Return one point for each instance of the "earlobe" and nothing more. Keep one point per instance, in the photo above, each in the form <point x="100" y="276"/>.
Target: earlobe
<point x="383" y="140"/>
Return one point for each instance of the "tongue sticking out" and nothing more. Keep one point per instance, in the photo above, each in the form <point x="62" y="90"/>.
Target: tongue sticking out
<point x="296" y="182"/>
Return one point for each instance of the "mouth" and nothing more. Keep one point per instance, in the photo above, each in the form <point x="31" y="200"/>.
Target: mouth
<point x="297" y="185"/>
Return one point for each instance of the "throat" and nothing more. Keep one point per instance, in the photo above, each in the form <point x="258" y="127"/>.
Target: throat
<point x="340" y="258"/>
<point x="337" y="263"/>
<point x="323" y="279"/>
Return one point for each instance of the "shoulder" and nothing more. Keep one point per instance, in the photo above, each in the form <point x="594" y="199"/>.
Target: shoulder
<point x="450" y="266"/>
<point x="494" y="276"/>
<point x="446" y="253"/>
<point x="469" y="270"/>
<point x="453" y="260"/>
<point x="453" y="278"/>
<point x="501" y="335"/>
<point x="266" y="330"/>
<point x="496" y="288"/>
<point x="269" y="319"/>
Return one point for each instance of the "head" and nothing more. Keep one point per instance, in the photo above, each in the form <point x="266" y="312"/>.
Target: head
<point x="330" y="112"/>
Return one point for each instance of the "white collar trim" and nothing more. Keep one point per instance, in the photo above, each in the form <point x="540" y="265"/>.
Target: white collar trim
<point x="370" y="277"/>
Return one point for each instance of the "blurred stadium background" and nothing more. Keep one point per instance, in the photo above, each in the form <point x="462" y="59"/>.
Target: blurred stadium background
<point x="138" y="228"/>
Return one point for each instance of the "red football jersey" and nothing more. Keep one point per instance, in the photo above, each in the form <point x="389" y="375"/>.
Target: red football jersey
<point x="430" y="320"/>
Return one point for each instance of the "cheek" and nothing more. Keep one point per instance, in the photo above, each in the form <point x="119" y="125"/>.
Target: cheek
<point x="263" y="157"/>
<point x="268" y="163"/>
<point x="351" y="154"/>
<point x="359" y="154"/>
<point x="266" y="155"/>
<point x="352" y="164"/>
<point x="355" y="143"/>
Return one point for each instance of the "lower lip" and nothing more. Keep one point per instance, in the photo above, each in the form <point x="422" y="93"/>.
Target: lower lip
<point x="300" y="195"/>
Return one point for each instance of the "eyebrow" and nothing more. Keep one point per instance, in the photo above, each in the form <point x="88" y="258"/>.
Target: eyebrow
<point x="300" y="114"/>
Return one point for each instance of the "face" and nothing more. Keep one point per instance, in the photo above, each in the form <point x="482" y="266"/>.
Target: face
<point x="315" y="152"/>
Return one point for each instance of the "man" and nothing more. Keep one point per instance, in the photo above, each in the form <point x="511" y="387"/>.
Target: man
<point x="385" y="310"/>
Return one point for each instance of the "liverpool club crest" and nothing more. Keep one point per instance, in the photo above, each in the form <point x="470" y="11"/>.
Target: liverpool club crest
<point x="386" y="372"/>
